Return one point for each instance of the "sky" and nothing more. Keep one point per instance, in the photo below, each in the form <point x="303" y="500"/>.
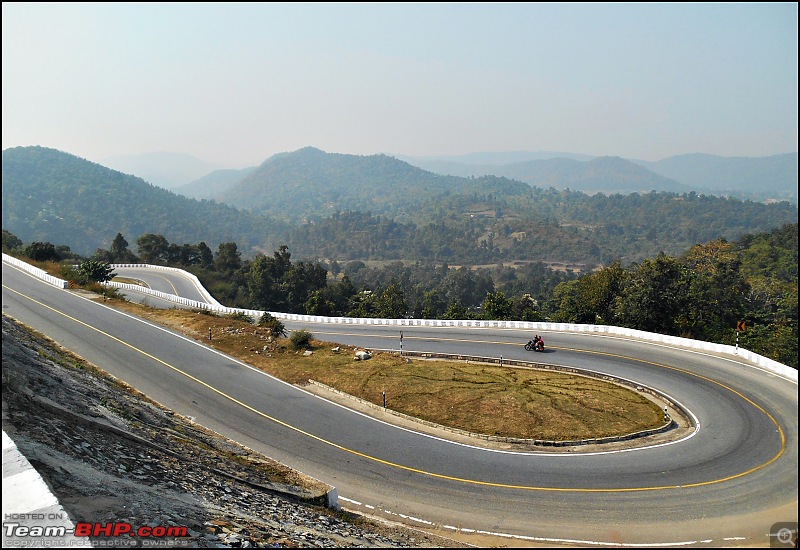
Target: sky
<point x="235" y="83"/>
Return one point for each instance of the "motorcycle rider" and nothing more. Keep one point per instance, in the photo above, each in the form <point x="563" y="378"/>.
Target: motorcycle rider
<point x="537" y="344"/>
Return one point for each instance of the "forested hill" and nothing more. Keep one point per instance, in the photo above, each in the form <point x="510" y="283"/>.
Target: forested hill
<point x="351" y="207"/>
<point x="346" y="207"/>
<point x="49" y="195"/>
<point x="310" y="183"/>
<point x="763" y="179"/>
<point x="598" y="175"/>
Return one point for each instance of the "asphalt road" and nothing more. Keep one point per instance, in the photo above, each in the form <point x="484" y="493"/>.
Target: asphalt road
<point x="726" y="485"/>
<point x="163" y="280"/>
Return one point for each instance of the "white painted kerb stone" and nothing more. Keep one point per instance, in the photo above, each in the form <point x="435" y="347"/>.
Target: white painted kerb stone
<point x="28" y="501"/>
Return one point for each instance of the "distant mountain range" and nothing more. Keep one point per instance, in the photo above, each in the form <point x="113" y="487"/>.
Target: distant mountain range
<point x="763" y="179"/>
<point x="755" y="178"/>
<point x="167" y="170"/>
<point x="214" y="184"/>
<point x="759" y="178"/>
<point x="599" y="175"/>
<point x="349" y="207"/>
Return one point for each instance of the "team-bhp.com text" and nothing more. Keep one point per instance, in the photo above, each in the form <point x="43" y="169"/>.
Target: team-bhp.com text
<point x="96" y="529"/>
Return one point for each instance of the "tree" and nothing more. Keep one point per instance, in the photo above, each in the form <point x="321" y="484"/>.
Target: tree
<point x="95" y="271"/>
<point x="103" y="255"/>
<point x="526" y="308"/>
<point x="228" y="258"/>
<point x="300" y="281"/>
<point x="266" y="281"/>
<point x="656" y="296"/>
<point x="263" y="285"/>
<point x="392" y="303"/>
<point x="363" y="304"/>
<point x="119" y="251"/>
<point x="716" y="293"/>
<point x="497" y="306"/>
<point x="567" y="305"/>
<point x="11" y="241"/>
<point x="205" y="257"/>
<point x="42" y="252"/>
<point x="154" y="249"/>
<point x="319" y="304"/>
<point x="175" y="254"/>
<point x="590" y="299"/>
<point x="455" y="310"/>
<point x="433" y="306"/>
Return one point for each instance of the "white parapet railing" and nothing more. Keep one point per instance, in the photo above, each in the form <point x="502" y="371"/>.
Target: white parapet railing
<point x="206" y="295"/>
<point x="36" y="272"/>
<point x="765" y="363"/>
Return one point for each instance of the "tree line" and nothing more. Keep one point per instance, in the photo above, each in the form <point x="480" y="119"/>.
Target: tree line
<point x="705" y="293"/>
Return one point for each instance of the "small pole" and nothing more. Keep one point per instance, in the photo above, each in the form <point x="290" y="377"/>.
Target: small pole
<point x="501" y="360"/>
<point x="209" y="333"/>
<point x="401" y="345"/>
<point x="384" y="400"/>
<point x="737" y="341"/>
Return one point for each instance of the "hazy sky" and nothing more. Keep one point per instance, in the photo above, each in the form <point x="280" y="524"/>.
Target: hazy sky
<point x="236" y="83"/>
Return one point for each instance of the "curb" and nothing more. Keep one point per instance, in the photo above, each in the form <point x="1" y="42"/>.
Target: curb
<point x="29" y="504"/>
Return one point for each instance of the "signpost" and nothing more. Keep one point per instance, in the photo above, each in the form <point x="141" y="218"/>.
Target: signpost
<point x="740" y="327"/>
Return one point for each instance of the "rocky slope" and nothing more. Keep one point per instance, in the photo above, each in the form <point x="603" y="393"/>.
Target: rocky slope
<point x="111" y="455"/>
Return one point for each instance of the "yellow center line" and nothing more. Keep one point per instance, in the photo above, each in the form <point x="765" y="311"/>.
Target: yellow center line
<point x="174" y="290"/>
<point x="433" y="474"/>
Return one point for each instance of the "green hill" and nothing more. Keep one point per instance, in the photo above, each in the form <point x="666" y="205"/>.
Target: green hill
<point x="310" y="183"/>
<point x="49" y="195"/>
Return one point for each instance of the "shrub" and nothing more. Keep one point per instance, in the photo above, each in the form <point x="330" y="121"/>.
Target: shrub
<point x="239" y="316"/>
<point x="68" y="272"/>
<point x="301" y="339"/>
<point x="273" y="324"/>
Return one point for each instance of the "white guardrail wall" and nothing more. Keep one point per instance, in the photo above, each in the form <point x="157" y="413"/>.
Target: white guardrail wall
<point x="740" y="353"/>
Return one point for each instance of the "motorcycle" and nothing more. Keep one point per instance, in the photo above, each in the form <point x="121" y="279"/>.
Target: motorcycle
<point x="535" y="346"/>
